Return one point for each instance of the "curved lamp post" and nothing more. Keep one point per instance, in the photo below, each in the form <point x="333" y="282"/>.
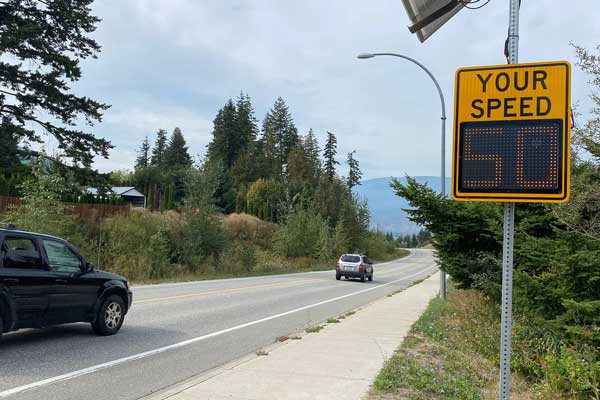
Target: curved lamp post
<point x="363" y="56"/>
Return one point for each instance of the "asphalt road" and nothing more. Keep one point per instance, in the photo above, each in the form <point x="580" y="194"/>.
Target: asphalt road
<point x="175" y="331"/>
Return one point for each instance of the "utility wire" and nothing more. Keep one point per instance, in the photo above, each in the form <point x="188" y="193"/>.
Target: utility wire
<point x="474" y="4"/>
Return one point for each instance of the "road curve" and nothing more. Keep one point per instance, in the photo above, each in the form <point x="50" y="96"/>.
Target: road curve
<point x="175" y="331"/>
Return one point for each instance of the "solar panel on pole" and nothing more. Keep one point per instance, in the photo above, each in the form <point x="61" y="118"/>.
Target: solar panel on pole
<point x="427" y="16"/>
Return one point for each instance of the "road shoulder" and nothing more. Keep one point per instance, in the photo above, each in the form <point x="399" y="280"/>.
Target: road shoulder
<point x="340" y="361"/>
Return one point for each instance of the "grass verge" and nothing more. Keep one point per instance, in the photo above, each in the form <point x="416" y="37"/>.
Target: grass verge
<point x="450" y="353"/>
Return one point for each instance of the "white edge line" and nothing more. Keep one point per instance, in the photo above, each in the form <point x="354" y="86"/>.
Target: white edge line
<point x="109" y="364"/>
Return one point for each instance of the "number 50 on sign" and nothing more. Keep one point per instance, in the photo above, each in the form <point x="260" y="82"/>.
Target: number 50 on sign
<point x="512" y="133"/>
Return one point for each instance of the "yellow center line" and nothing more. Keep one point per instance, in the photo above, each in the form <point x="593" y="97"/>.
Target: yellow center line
<point x="222" y="291"/>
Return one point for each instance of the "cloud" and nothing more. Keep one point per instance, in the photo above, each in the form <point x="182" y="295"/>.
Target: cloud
<point x="175" y="63"/>
<point x="136" y="123"/>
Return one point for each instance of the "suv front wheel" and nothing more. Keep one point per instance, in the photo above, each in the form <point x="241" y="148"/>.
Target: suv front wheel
<point x="110" y="316"/>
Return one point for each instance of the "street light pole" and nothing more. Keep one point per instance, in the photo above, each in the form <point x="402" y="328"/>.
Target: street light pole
<point x="443" y="169"/>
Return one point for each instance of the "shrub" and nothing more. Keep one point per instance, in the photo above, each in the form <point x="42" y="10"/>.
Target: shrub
<point x="239" y="257"/>
<point x="251" y="229"/>
<point x="135" y="246"/>
<point x="42" y="210"/>
<point x="195" y="238"/>
<point x="301" y="235"/>
<point x="378" y="247"/>
<point x="573" y="372"/>
<point x="264" y="198"/>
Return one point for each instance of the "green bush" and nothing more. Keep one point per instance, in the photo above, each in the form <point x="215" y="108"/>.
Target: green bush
<point x="42" y="210"/>
<point x="301" y="235"/>
<point x="264" y="199"/>
<point x="238" y="258"/>
<point x="195" y="238"/>
<point x="573" y="372"/>
<point x="135" y="246"/>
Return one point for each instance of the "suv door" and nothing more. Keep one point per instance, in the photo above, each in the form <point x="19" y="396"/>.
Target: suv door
<point x="28" y="282"/>
<point x="74" y="297"/>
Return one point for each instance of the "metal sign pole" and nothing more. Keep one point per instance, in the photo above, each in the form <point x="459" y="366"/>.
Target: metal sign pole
<point x="443" y="289"/>
<point x="509" y="233"/>
<point x="507" y="273"/>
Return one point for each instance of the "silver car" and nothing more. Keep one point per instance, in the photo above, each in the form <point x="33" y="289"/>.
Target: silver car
<point x="354" y="266"/>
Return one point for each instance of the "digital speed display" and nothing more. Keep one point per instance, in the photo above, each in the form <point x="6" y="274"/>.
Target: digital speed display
<point x="500" y="157"/>
<point x="511" y="139"/>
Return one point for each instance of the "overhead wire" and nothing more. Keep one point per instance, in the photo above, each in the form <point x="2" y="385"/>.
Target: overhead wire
<point x="470" y="4"/>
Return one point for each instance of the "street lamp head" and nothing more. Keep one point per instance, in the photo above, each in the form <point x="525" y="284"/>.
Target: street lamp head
<point x="363" y="56"/>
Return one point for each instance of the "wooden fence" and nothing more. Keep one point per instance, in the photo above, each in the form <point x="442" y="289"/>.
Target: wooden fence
<point x="84" y="211"/>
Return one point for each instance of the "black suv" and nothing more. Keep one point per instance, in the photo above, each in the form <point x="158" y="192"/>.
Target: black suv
<point x="44" y="281"/>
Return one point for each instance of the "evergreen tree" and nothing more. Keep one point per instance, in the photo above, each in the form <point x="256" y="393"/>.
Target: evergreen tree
<point x="43" y="43"/>
<point x="177" y="162"/>
<point x="329" y="154"/>
<point x="143" y="158"/>
<point x="414" y="243"/>
<point x="224" y="146"/>
<point x="341" y="241"/>
<point x="176" y="154"/>
<point x="245" y="123"/>
<point x="328" y="198"/>
<point x="299" y="166"/>
<point x="311" y="147"/>
<point x="234" y="132"/>
<point x="160" y="146"/>
<point x="224" y="194"/>
<point x="279" y="136"/>
<point x="354" y="173"/>
<point x="10" y="153"/>
<point x="248" y="167"/>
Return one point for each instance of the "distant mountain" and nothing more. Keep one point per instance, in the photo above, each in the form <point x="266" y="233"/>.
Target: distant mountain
<point x="387" y="209"/>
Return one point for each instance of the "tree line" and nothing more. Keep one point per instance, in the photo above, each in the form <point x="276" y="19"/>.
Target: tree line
<point x="267" y="171"/>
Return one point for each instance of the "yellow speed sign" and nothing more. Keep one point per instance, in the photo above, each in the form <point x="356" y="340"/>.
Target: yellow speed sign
<point x="511" y="133"/>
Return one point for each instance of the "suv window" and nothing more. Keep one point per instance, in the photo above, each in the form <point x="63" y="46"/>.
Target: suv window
<point x="20" y="253"/>
<point x="352" y="259"/>
<point x="61" y="258"/>
<point x="365" y="259"/>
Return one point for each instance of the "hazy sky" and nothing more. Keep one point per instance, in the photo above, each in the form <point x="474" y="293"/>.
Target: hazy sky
<point x="175" y="63"/>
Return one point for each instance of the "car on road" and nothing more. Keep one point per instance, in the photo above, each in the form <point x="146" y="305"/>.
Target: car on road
<point x="354" y="266"/>
<point x="44" y="281"/>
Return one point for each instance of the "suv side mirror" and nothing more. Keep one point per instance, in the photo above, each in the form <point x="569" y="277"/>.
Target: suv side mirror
<point x="89" y="267"/>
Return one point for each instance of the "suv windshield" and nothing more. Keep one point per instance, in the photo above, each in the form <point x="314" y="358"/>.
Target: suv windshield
<point x="352" y="259"/>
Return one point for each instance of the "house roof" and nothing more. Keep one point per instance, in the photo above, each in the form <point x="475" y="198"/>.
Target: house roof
<point x="126" y="191"/>
<point x="129" y="191"/>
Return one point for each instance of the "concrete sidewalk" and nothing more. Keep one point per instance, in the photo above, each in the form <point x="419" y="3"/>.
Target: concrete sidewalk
<point x="339" y="362"/>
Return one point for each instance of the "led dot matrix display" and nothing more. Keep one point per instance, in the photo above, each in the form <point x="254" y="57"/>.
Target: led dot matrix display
<point x="511" y="133"/>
